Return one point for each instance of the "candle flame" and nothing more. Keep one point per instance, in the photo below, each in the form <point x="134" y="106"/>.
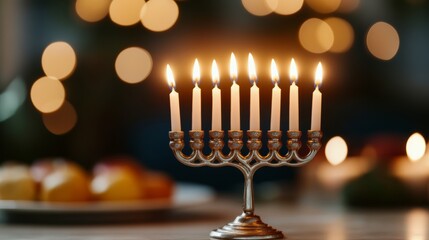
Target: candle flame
<point x="274" y="72"/>
<point x="170" y="77"/>
<point x="233" y="68"/>
<point x="196" y="75"/>
<point x="416" y="147"/>
<point x="336" y="150"/>
<point x="215" y="73"/>
<point x="251" y="68"/>
<point x="293" y="71"/>
<point x="319" y="74"/>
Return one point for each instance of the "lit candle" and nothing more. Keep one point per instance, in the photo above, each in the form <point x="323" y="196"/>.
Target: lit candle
<point x="293" y="98"/>
<point x="196" y="98"/>
<point x="216" y="100"/>
<point x="275" y="101"/>
<point x="316" y="109"/>
<point x="254" y="96"/>
<point x="235" y="95"/>
<point x="174" y="102"/>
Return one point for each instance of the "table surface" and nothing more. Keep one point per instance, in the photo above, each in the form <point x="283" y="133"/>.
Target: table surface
<point x="297" y="222"/>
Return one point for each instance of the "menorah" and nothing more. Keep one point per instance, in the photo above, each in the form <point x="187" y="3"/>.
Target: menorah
<point x="247" y="225"/>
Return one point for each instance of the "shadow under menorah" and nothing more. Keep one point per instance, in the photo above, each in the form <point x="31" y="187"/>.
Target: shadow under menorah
<point x="247" y="225"/>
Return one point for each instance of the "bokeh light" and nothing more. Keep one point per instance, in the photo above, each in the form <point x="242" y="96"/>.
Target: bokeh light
<point x="61" y="121"/>
<point x="316" y="36"/>
<point x="416" y="222"/>
<point x="336" y="150"/>
<point x="47" y="94"/>
<point x="125" y="12"/>
<point x="58" y="60"/>
<point x="343" y="34"/>
<point x="133" y="64"/>
<point x="159" y="15"/>
<point x="416" y="147"/>
<point x="288" y="7"/>
<point x="259" y="7"/>
<point x="382" y="41"/>
<point x="348" y="6"/>
<point x="324" y="6"/>
<point x="92" y="10"/>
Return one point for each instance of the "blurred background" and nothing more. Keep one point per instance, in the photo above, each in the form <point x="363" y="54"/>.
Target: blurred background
<point x="110" y="95"/>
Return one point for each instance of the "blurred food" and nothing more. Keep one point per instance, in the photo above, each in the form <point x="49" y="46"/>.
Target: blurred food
<point x="66" y="183"/>
<point x="116" y="184"/>
<point x="118" y="162"/>
<point x="119" y="178"/>
<point x="16" y="183"/>
<point x="40" y="169"/>
<point x="122" y="178"/>
<point x="156" y="185"/>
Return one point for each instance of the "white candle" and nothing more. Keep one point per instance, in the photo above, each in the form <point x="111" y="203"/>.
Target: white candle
<point x="235" y="95"/>
<point x="275" y="99"/>
<point x="174" y="102"/>
<point x="293" y="98"/>
<point x="316" y="109"/>
<point x="196" y="98"/>
<point x="254" y="97"/>
<point x="216" y="100"/>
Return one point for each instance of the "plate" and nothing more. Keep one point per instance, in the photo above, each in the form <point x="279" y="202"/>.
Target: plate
<point x="186" y="195"/>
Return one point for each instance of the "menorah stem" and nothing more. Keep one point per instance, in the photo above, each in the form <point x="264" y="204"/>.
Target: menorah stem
<point x="248" y="206"/>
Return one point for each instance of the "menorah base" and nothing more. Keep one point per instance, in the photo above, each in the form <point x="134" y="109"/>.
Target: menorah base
<point x="246" y="226"/>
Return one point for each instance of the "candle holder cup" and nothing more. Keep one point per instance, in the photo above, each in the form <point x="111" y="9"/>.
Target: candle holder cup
<point x="247" y="225"/>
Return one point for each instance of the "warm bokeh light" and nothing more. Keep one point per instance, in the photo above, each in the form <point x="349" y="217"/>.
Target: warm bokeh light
<point x="348" y="6"/>
<point x="58" y="60"/>
<point x="92" y="10"/>
<point x="336" y="150"/>
<point x="336" y="230"/>
<point x="293" y="71"/>
<point x="343" y="34"/>
<point x="335" y="177"/>
<point x="318" y="78"/>
<point x="251" y="68"/>
<point x="274" y="72"/>
<point x="287" y="7"/>
<point x="416" y="147"/>
<point x="382" y="41"/>
<point x="125" y="12"/>
<point x="170" y="77"/>
<point x="233" y="73"/>
<point x="416" y="222"/>
<point x="47" y="94"/>
<point x="259" y="7"/>
<point x="159" y="15"/>
<point x="215" y="73"/>
<point x="133" y="65"/>
<point x="61" y="121"/>
<point x="316" y="36"/>
<point x="196" y="73"/>
<point x="324" y="6"/>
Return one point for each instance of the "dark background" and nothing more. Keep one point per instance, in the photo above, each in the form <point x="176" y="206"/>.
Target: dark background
<point x="363" y="97"/>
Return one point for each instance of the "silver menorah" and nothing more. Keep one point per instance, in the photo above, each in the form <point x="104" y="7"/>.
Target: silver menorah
<point x="247" y="225"/>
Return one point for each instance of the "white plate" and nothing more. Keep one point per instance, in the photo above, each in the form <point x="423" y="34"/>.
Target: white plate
<point x="186" y="195"/>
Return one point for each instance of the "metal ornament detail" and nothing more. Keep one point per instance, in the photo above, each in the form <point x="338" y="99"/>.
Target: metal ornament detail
<point x="247" y="225"/>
